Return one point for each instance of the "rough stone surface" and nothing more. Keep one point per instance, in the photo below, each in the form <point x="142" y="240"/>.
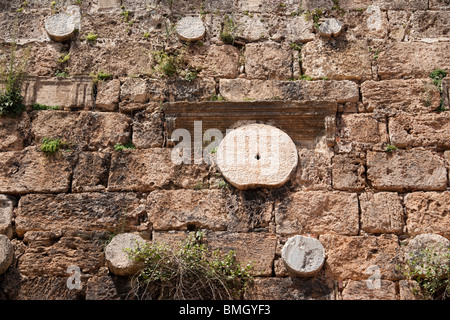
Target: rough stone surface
<point x="49" y="254"/>
<point x="190" y="29"/>
<point x="427" y="212"/>
<point x="317" y="212"/>
<point x="150" y="169"/>
<point x="257" y="249"/>
<point x="6" y="215"/>
<point x="243" y="89"/>
<point x="427" y="130"/>
<point x="267" y="61"/>
<point x="214" y="61"/>
<point x="107" y="98"/>
<point x="91" y="172"/>
<point x="408" y="59"/>
<point x="148" y="129"/>
<point x="81" y="211"/>
<point x="360" y="132"/>
<point x="313" y="170"/>
<point x="409" y="290"/>
<point x="61" y="26"/>
<point x="330" y="28"/>
<point x="304" y="256"/>
<point x="291" y="289"/>
<point x="184" y="209"/>
<point x="360" y="290"/>
<point x="29" y="171"/>
<point x="348" y="172"/>
<point x="267" y="160"/>
<point x="406" y="170"/>
<point x="14" y="132"/>
<point x="6" y="253"/>
<point x="350" y="257"/>
<point x="116" y="256"/>
<point x="343" y="60"/>
<point x="83" y="130"/>
<point x="381" y="212"/>
<point x="390" y="96"/>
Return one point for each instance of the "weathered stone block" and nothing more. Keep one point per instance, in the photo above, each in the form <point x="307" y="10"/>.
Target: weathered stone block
<point x="351" y="257"/>
<point x="406" y="170"/>
<point x="254" y="248"/>
<point x="385" y="4"/>
<point x="150" y="169"/>
<point x="360" y="132"/>
<point x="75" y="92"/>
<point x="313" y="170"/>
<point x="429" y="25"/>
<point x="428" y="212"/>
<point x="361" y="290"/>
<point x="413" y="59"/>
<point x="6" y="215"/>
<point x="243" y="89"/>
<point x="30" y="171"/>
<point x="409" y="290"/>
<point x="348" y="172"/>
<point x="381" y="212"/>
<point x="267" y="60"/>
<point x="427" y="130"/>
<point x="85" y="251"/>
<point x="141" y="90"/>
<point x="439" y="5"/>
<point x="14" y="132"/>
<point x="390" y="96"/>
<point x="107" y="98"/>
<point x="317" y="212"/>
<point x="214" y="61"/>
<point x="110" y="57"/>
<point x="371" y="23"/>
<point x="291" y="289"/>
<point x="91" y="172"/>
<point x="148" y="129"/>
<point x="342" y="60"/>
<point x="183" y="209"/>
<point x="83" y="130"/>
<point x="81" y="211"/>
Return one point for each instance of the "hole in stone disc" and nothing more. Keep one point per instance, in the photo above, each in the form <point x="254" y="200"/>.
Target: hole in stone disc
<point x="257" y="157"/>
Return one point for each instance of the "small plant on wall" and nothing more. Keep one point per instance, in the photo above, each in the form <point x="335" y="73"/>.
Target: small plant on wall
<point x="430" y="268"/>
<point x="12" y="73"/>
<point x="190" y="271"/>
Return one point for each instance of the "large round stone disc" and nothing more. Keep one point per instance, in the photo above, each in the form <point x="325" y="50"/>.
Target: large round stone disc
<point x="61" y="27"/>
<point x="257" y="156"/>
<point x="303" y="256"/>
<point x="190" y="29"/>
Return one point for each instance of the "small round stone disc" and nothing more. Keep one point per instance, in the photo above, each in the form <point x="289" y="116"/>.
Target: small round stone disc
<point x="6" y="253"/>
<point x="330" y="28"/>
<point x="60" y="27"/>
<point x="303" y="256"/>
<point x="257" y="156"/>
<point x="190" y="29"/>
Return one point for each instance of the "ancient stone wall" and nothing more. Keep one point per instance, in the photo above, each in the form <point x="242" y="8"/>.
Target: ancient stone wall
<point x="369" y="124"/>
